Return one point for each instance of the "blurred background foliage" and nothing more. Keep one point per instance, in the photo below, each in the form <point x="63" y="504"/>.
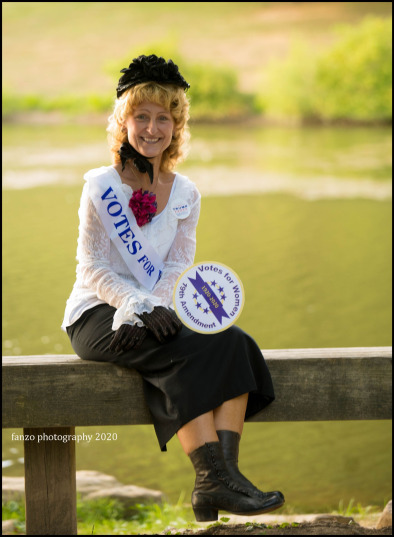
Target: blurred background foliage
<point x="350" y="80"/>
<point x="354" y="77"/>
<point x="343" y="73"/>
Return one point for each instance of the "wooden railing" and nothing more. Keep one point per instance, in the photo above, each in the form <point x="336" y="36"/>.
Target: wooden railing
<point x="48" y="396"/>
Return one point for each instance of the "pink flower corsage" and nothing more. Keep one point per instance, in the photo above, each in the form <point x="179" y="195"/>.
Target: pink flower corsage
<point x="143" y="205"/>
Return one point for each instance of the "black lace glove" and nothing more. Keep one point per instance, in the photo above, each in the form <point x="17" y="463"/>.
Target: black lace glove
<point x="128" y="337"/>
<point x="162" y="322"/>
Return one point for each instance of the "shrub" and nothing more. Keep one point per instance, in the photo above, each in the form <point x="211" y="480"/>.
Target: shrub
<point x="352" y="79"/>
<point x="213" y="93"/>
<point x="288" y="89"/>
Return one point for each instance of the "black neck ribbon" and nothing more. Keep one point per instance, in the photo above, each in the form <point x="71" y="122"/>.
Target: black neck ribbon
<point x="127" y="151"/>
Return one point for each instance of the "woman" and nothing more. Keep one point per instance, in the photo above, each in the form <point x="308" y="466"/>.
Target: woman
<point x="200" y="387"/>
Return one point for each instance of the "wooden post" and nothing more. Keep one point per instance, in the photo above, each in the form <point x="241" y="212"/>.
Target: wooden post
<point x="50" y="481"/>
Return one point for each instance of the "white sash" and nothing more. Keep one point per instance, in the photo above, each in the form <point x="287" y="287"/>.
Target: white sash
<point x="120" y="223"/>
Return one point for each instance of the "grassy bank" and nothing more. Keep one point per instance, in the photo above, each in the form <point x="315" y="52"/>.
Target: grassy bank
<point x="109" y="517"/>
<point x="252" y="59"/>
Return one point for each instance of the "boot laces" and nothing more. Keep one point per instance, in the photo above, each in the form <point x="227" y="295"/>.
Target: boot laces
<point x="224" y="477"/>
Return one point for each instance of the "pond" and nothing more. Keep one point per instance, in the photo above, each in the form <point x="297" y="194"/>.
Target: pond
<point x="302" y="215"/>
<point x="310" y="162"/>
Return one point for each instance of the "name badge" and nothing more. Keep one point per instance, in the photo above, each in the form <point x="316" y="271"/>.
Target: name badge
<point x="180" y="209"/>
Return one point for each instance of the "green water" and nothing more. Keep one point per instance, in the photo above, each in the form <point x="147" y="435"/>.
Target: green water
<point x="304" y="218"/>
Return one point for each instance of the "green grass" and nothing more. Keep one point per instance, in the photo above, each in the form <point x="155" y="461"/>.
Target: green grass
<point x="15" y="510"/>
<point x="74" y="43"/>
<point x="110" y="517"/>
<point x="225" y="51"/>
<point x="355" y="509"/>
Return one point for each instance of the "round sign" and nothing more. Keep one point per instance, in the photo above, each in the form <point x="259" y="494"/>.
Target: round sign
<point x="208" y="297"/>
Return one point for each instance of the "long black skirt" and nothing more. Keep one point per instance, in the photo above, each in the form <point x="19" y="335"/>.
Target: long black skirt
<point x="185" y="377"/>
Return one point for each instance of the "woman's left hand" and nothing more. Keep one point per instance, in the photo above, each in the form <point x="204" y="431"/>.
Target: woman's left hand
<point x="162" y="322"/>
<point x="128" y="337"/>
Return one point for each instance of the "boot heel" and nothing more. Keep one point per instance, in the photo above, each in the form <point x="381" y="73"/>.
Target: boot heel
<point x="205" y="514"/>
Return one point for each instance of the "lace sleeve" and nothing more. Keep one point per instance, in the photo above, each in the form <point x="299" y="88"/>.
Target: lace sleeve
<point x="181" y="254"/>
<point x="95" y="270"/>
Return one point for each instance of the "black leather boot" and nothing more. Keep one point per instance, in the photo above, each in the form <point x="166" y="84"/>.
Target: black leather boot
<point x="214" y="489"/>
<point x="229" y="441"/>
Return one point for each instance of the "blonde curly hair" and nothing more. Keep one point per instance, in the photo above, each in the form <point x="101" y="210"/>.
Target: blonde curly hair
<point x="173" y="99"/>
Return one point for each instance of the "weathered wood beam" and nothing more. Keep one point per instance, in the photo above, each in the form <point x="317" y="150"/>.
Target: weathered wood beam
<point x="310" y="385"/>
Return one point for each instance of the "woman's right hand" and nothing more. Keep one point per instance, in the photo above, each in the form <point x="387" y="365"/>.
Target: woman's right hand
<point x="162" y="322"/>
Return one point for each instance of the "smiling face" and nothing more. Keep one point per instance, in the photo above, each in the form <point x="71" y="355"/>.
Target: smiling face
<point x="149" y="129"/>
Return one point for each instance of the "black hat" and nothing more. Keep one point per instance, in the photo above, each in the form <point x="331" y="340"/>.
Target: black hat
<point x="150" y="69"/>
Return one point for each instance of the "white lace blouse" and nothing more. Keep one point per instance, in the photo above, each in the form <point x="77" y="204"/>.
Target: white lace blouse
<point x="102" y="275"/>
